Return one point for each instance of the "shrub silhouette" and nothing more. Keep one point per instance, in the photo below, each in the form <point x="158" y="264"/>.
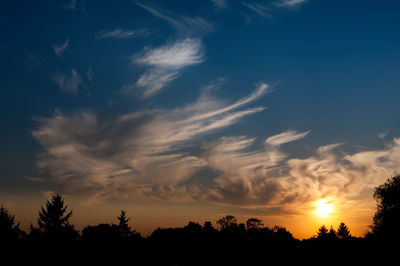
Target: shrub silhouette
<point x="9" y="231"/>
<point x="53" y="222"/>
<point x="387" y="216"/>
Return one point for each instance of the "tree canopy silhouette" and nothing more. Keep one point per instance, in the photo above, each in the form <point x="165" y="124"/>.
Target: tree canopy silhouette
<point x="254" y="224"/>
<point x="53" y="222"/>
<point x="343" y="232"/>
<point x="8" y="229"/>
<point x="387" y="216"/>
<point x="228" y="223"/>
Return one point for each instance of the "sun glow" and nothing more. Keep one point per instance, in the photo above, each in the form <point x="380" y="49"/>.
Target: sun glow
<point x="323" y="208"/>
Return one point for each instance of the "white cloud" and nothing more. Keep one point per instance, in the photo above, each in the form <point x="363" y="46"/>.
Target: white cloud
<point x="158" y="154"/>
<point x="177" y="55"/>
<point x="267" y="9"/>
<point x="145" y="154"/>
<point x="120" y="34"/>
<point x="59" y="50"/>
<point x="68" y="83"/>
<point x="165" y="62"/>
<point x="184" y="24"/>
<point x="285" y="137"/>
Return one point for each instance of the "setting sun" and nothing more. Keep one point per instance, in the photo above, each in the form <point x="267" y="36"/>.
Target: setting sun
<point x="323" y="209"/>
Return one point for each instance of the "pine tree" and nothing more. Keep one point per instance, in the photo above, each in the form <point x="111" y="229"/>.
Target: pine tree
<point x="332" y="234"/>
<point x="8" y="229"/>
<point x="123" y="226"/>
<point x="53" y="222"/>
<point x="322" y="233"/>
<point x="343" y="231"/>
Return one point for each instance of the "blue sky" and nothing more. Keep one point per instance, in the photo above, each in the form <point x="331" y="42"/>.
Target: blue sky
<point x="269" y="105"/>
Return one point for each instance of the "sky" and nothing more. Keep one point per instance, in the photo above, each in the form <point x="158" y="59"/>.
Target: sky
<point x="192" y="110"/>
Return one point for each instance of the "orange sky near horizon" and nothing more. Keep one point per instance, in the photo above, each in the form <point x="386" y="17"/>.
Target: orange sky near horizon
<point x="145" y="217"/>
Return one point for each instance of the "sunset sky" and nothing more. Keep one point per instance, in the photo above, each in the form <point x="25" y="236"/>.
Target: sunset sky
<point x="284" y="110"/>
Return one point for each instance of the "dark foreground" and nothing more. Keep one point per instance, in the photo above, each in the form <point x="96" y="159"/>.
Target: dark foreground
<point x="194" y="252"/>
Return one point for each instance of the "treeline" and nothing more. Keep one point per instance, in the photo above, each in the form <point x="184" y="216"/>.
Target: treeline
<point x="53" y="224"/>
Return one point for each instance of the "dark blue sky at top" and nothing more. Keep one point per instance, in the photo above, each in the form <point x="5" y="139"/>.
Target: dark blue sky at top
<point x="335" y="65"/>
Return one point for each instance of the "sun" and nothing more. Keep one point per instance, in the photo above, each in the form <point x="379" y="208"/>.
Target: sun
<point x="323" y="208"/>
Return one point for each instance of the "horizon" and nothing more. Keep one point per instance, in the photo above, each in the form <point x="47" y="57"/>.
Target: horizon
<point x="178" y="111"/>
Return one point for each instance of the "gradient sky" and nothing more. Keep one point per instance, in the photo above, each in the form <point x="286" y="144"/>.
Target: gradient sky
<point x="191" y="110"/>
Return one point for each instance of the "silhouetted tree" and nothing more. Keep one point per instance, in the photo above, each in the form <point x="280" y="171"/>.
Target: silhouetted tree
<point x="208" y="227"/>
<point x="332" y="234"/>
<point x="387" y="216"/>
<point x="101" y="233"/>
<point x="8" y="229"/>
<point x="343" y="231"/>
<point x="322" y="233"/>
<point x="123" y="227"/>
<point x="228" y="223"/>
<point x="193" y="227"/>
<point x="281" y="234"/>
<point x="254" y="224"/>
<point x="53" y="222"/>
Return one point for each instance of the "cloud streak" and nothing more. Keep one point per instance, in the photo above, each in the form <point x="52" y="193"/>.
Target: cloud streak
<point x="164" y="64"/>
<point x="68" y="83"/>
<point x="146" y="154"/>
<point x="174" y="155"/>
<point x="120" y="34"/>
<point x="184" y="24"/>
<point x="267" y="9"/>
<point x="59" y="50"/>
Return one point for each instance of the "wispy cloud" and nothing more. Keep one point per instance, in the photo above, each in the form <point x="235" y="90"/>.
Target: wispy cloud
<point x="59" y="50"/>
<point x="285" y="137"/>
<point x="290" y="3"/>
<point x="164" y="63"/>
<point x="184" y="24"/>
<point x="267" y="9"/>
<point x="68" y="83"/>
<point x="89" y="74"/>
<point x="162" y="154"/>
<point x="220" y="4"/>
<point x="121" y="34"/>
<point x="147" y="153"/>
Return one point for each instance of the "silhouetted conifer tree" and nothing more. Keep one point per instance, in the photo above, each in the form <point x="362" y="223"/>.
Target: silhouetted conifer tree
<point x="123" y="226"/>
<point x="343" y="231"/>
<point x="322" y="233"/>
<point x="53" y="222"/>
<point x="8" y="229"/>
<point x="332" y="234"/>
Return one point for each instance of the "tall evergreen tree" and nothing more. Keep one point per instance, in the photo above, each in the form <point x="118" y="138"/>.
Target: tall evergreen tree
<point x="322" y="233"/>
<point x="53" y="222"/>
<point x="123" y="226"/>
<point x="343" y="231"/>
<point x="8" y="229"/>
